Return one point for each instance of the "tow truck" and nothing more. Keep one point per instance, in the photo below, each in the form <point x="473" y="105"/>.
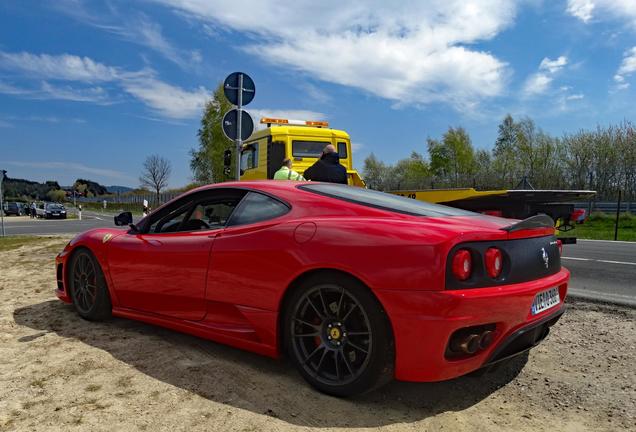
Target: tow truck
<point x="299" y="140"/>
<point x="512" y="203"/>
<point x="303" y="141"/>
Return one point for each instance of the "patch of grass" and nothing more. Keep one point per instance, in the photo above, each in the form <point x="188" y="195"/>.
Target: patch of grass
<point x="14" y="242"/>
<point x="124" y="382"/>
<point x="600" y="226"/>
<point x="38" y="382"/>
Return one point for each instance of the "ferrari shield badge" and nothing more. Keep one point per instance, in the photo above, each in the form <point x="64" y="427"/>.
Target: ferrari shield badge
<point x="107" y="237"/>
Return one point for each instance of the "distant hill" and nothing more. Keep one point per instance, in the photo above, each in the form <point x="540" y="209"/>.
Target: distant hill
<point x="22" y="189"/>
<point x="26" y="189"/>
<point x="118" y="189"/>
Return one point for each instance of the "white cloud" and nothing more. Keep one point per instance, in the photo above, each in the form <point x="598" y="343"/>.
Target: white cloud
<point x="43" y="119"/>
<point x="166" y="99"/>
<point x="626" y="69"/>
<point x="582" y="9"/>
<point x="586" y="10"/>
<point x="409" y="52"/>
<point x="536" y="84"/>
<point x="577" y="96"/>
<point x="60" y="67"/>
<point x="138" y="29"/>
<point x="72" y="166"/>
<point x="46" y="90"/>
<point x="540" y="81"/>
<point x="553" y="66"/>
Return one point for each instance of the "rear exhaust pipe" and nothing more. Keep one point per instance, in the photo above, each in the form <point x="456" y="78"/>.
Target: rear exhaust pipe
<point x="485" y="339"/>
<point x="470" y="344"/>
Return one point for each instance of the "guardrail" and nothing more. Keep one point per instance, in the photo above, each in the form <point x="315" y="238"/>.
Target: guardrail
<point x="606" y="206"/>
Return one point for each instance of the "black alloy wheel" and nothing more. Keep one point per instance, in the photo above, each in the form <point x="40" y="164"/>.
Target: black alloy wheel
<point x="338" y="337"/>
<point x="88" y="287"/>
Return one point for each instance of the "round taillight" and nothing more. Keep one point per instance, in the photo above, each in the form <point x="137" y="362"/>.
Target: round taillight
<point x="462" y="264"/>
<point x="494" y="262"/>
<point x="560" y="246"/>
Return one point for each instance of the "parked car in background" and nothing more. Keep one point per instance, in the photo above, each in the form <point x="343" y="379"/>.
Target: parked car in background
<point x="14" y="208"/>
<point x="49" y="210"/>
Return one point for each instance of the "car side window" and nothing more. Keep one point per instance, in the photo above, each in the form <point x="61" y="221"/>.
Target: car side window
<point x="210" y="215"/>
<point x="205" y="210"/>
<point x="256" y="207"/>
<point x="171" y="221"/>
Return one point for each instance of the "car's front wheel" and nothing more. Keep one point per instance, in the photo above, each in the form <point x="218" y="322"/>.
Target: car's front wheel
<point x="338" y="336"/>
<point x="88" y="288"/>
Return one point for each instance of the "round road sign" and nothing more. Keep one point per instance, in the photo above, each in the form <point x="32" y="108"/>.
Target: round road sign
<point x="230" y="120"/>
<point x="231" y="88"/>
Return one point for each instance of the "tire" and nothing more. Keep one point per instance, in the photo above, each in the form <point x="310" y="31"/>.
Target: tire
<point x="87" y="287"/>
<point x="338" y="336"/>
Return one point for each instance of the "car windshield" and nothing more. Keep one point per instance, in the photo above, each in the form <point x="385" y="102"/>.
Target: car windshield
<point x="308" y="148"/>
<point x="55" y="207"/>
<point x="384" y="201"/>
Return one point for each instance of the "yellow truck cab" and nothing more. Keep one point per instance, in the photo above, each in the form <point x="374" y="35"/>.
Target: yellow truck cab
<point x="301" y="141"/>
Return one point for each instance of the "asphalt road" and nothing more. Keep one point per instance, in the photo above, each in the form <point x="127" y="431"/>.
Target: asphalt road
<point x="604" y="270"/>
<point x="21" y="225"/>
<point x="601" y="270"/>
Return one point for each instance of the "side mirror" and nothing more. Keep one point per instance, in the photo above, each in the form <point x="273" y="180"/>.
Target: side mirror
<point x="124" y="219"/>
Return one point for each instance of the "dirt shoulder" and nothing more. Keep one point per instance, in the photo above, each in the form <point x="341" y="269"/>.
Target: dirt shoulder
<point x="59" y="372"/>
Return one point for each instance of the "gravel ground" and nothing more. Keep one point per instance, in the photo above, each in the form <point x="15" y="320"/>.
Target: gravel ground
<point x="59" y="372"/>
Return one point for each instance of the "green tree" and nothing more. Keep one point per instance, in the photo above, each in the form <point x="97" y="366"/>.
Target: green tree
<point x="439" y="156"/>
<point x="411" y="173"/>
<point x="461" y="155"/>
<point x="484" y="177"/>
<point x="56" y="195"/>
<point x="505" y="160"/>
<point x="206" y="161"/>
<point x="375" y="173"/>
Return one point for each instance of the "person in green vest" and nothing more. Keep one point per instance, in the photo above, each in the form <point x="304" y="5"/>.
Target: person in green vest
<point x="286" y="173"/>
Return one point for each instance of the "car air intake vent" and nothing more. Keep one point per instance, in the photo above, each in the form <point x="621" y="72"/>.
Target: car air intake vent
<point x="523" y="260"/>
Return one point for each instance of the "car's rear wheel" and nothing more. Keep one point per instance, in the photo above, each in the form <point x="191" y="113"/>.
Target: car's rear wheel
<point x="88" y="288"/>
<point x="338" y="336"/>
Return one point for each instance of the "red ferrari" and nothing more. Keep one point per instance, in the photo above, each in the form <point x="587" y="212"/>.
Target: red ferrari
<point x="355" y="286"/>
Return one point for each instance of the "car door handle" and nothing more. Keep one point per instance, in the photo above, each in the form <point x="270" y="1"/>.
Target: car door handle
<point x="215" y="235"/>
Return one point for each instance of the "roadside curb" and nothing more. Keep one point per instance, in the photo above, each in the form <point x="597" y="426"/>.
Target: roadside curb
<point x="597" y="297"/>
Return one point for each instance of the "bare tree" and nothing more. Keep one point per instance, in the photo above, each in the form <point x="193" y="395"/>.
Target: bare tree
<point x="155" y="173"/>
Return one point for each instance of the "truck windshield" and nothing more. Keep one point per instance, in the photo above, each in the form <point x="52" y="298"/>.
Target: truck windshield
<point x="384" y="201"/>
<point x="308" y="148"/>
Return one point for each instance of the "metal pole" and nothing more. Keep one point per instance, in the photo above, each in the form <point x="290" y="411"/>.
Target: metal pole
<point x="2" y="202"/>
<point x="239" y="125"/>
<point x="618" y="212"/>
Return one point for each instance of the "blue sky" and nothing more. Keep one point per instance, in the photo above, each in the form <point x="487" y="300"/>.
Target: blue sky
<point x="89" y="89"/>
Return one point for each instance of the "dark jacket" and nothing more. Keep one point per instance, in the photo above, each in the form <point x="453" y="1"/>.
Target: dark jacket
<point x="327" y="169"/>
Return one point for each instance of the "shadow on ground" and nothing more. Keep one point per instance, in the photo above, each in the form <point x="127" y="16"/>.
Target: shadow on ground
<point x="254" y="383"/>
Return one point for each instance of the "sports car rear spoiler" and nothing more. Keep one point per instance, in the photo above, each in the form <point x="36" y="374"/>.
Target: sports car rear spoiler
<point x="536" y="221"/>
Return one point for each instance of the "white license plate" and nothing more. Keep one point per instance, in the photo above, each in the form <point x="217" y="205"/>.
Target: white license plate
<point x="545" y="300"/>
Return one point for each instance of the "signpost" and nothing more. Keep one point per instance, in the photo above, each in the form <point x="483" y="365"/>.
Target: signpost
<point x="237" y="124"/>
<point x="3" y="173"/>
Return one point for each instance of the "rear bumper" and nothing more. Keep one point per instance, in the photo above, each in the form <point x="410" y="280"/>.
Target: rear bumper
<point x="524" y="339"/>
<point x="423" y="322"/>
